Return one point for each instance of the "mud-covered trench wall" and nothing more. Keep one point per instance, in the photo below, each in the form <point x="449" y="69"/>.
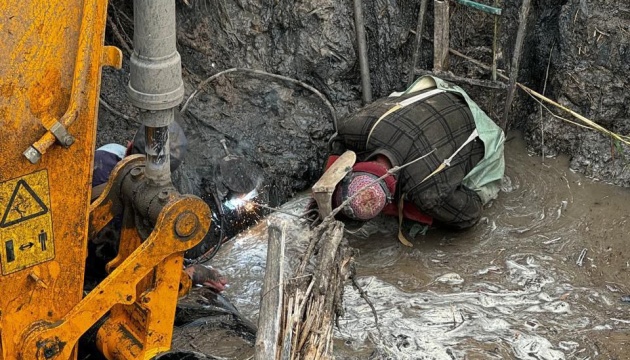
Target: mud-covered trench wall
<point x="576" y="52"/>
<point x="590" y="74"/>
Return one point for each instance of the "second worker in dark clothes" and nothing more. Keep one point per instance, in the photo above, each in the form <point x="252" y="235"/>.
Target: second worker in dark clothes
<point x="454" y="151"/>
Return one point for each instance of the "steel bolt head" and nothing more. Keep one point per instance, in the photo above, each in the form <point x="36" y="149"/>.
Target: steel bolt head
<point x="32" y="155"/>
<point x="68" y="140"/>
<point x="49" y="352"/>
<point x="163" y="196"/>
<point x="186" y="224"/>
<point x="136" y="172"/>
<point x="50" y="348"/>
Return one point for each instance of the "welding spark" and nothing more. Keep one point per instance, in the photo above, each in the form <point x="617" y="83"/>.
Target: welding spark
<point x="242" y="201"/>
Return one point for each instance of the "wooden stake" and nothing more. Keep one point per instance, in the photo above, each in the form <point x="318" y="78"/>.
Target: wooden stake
<point x="366" y="88"/>
<point x="271" y="304"/>
<point x="495" y="54"/>
<point x="418" y="47"/>
<point x="440" y="35"/>
<point x="516" y="58"/>
<point x="297" y="316"/>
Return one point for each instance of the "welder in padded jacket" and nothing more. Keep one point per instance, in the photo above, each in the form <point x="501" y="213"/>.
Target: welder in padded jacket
<point x="453" y="152"/>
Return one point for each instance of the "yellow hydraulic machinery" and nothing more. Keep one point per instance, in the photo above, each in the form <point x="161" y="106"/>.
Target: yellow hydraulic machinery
<point x="53" y="52"/>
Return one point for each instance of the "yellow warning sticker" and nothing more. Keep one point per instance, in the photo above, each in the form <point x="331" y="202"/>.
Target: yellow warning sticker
<point x="26" y="234"/>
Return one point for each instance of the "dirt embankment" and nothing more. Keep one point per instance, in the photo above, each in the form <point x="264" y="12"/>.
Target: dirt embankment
<point x="591" y="72"/>
<point x="575" y="52"/>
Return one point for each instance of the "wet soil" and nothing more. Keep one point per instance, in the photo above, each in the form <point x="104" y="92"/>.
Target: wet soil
<point x="515" y="280"/>
<point x="575" y="52"/>
<point x="542" y="276"/>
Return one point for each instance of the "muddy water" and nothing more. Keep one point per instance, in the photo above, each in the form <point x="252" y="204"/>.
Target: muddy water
<point x="542" y="276"/>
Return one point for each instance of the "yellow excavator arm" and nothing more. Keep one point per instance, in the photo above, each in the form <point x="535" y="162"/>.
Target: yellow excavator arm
<point x="53" y="52"/>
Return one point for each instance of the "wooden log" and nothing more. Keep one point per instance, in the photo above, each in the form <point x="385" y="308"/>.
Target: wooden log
<point x="311" y="298"/>
<point x="441" y="35"/>
<point x="269" y="328"/>
<point x="516" y="58"/>
<point x="327" y="257"/>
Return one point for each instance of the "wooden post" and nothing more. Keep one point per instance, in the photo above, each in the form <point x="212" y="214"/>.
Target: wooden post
<point x="269" y="326"/>
<point x="495" y="54"/>
<point x="520" y="37"/>
<point x="366" y="87"/>
<point x="418" y="47"/>
<point x="440" y="35"/>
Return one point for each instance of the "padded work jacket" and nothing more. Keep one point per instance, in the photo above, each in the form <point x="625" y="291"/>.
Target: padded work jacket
<point x="434" y="119"/>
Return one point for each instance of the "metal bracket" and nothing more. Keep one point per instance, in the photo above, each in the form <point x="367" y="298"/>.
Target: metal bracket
<point x="58" y="128"/>
<point x="61" y="134"/>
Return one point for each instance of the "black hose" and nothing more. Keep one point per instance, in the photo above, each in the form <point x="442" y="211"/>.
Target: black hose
<point x="215" y="249"/>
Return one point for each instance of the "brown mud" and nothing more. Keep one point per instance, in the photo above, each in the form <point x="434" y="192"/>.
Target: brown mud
<point x="515" y="286"/>
<point x="541" y="277"/>
<point x="575" y="52"/>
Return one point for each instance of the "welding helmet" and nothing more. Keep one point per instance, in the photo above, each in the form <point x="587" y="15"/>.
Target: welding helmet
<point x="344" y="178"/>
<point x="367" y="195"/>
<point x="178" y="143"/>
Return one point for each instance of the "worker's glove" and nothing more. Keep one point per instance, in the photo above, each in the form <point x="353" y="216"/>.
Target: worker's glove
<point x="205" y="275"/>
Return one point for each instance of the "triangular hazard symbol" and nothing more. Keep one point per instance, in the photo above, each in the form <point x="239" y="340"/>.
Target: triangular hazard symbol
<point x="24" y="205"/>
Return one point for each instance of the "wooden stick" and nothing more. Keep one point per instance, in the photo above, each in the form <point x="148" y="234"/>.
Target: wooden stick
<point x="111" y="109"/>
<point x="287" y="337"/>
<point x="418" y="47"/>
<point x="495" y="54"/>
<point x="269" y="325"/>
<point x="458" y="79"/>
<point x="440" y="35"/>
<point x="118" y="35"/>
<point x="516" y="58"/>
<point x="589" y="124"/>
<point x="311" y="307"/>
<point x="542" y="125"/>
<point x="366" y="87"/>
<point x="327" y="258"/>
